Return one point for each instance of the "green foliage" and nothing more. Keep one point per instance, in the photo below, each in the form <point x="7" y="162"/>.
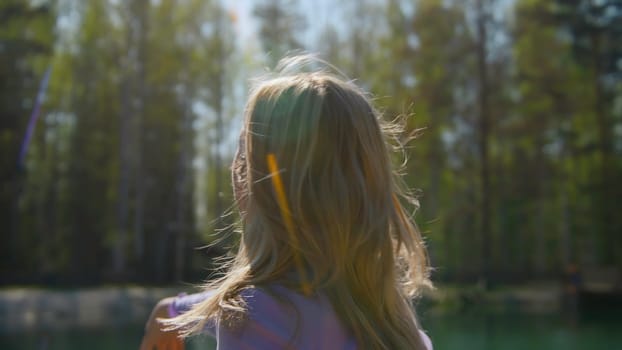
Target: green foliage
<point x="127" y="170"/>
<point x="548" y="200"/>
<point x="25" y="48"/>
<point x="108" y="186"/>
<point x="279" y="27"/>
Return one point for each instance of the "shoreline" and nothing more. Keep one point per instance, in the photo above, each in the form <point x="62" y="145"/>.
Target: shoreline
<point x="25" y="309"/>
<point x="38" y="309"/>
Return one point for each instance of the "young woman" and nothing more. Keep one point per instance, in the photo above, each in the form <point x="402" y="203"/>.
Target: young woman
<point x="328" y="257"/>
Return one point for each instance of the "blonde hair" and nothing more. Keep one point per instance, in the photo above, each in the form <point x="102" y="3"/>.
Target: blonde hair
<point x="328" y="220"/>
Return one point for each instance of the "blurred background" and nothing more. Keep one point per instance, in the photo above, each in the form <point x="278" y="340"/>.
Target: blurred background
<point x="119" y="119"/>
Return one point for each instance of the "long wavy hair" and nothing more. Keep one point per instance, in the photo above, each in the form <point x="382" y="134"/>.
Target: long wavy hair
<point x="321" y="208"/>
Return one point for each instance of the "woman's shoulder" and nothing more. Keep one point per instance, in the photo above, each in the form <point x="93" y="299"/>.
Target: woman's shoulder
<point x="280" y="318"/>
<point x="426" y="340"/>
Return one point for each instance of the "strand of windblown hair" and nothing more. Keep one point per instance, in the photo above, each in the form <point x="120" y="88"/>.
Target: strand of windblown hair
<point x="34" y="116"/>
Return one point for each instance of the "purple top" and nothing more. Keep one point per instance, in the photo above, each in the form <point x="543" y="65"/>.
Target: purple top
<point x="275" y="324"/>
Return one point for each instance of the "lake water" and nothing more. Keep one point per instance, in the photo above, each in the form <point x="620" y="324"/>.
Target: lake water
<point x="594" y="331"/>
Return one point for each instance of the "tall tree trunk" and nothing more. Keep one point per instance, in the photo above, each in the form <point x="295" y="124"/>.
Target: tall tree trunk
<point x="141" y="94"/>
<point x="218" y="109"/>
<point x="565" y="242"/>
<point x="124" y="172"/>
<point x="609" y="238"/>
<point x="181" y="222"/>
<point x="538" y="214"/>
<point x="484" y="123"/>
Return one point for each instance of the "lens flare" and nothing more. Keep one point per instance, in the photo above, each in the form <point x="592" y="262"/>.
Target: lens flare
<point x="279" y="190"/>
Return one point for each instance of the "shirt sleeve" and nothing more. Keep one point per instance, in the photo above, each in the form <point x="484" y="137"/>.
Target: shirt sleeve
<point x="426" y="340"/>
<point x="184" y="302"/>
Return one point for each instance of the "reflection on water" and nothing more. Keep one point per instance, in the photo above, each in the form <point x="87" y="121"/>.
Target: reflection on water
<point x="595" y="331"/>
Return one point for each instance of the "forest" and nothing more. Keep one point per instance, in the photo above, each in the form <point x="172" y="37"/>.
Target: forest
<point x="119" y="120"/>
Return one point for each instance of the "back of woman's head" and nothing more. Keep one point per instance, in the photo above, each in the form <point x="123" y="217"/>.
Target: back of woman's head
<point x="334" y="166"/>
<point x="336" y="223"/>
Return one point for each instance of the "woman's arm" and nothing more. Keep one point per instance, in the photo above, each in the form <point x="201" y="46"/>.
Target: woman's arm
<point x="157" y="338"/>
